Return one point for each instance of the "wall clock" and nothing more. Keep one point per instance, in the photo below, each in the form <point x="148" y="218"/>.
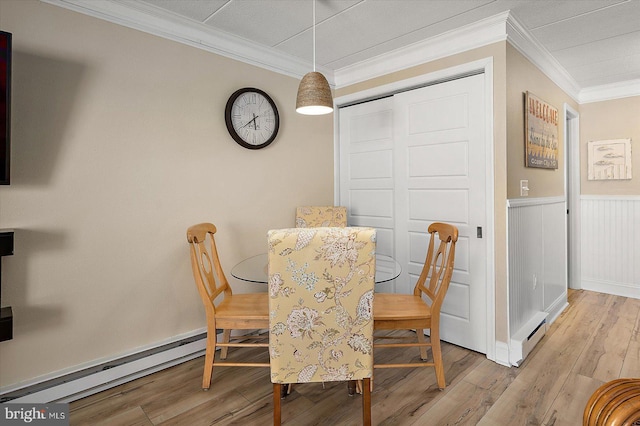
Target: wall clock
<point x="252" y="118"/>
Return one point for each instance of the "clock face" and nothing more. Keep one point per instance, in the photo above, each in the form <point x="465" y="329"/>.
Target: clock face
<point x="252" y="118"/>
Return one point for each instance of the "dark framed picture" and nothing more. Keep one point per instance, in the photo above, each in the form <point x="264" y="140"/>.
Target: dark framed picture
<point x="5" y="107"/>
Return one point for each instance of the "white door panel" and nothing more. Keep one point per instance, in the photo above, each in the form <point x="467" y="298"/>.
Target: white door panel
<point x="415" y="158"/>
<point x="431" y="161"/>
<point x="446" y="120"/>
<point x="372" y="203"/>
<point x="371" y="165"/>
<point x="456" y="306"/>
<point x="370" y="126"/>
<point x="438" y="114"/>
<point x="384" y="240"/>
<point x="429" y="205"/>
<point x="366" y="170"/>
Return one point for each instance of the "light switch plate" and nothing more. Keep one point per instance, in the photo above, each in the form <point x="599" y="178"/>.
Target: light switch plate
<point x="524" y="188"/>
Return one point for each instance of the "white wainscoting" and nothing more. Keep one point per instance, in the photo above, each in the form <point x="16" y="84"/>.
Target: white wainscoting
<point x="537" y="269"/>
<point x="610" y="244"/>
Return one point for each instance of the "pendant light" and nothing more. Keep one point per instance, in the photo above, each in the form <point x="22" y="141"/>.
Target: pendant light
<point x="314" y="95"/>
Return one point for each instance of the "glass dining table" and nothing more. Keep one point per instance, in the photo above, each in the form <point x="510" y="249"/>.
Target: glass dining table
<point x="254" y="269"/>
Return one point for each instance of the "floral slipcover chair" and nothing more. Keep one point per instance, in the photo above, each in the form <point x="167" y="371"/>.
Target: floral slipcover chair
<point x="321" y="285"/>
<point x="317" y="216"/>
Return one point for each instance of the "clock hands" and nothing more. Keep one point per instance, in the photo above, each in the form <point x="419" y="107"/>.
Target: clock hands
<point x="255" y="125"/>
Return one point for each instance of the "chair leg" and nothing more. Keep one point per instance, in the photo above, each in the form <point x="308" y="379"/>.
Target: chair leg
<point x="421" y="339"/>
<point x="209" y="355"/>
<point x="359" y="386"/>
<point x="286" y="389"/>
<point x="437" y="358"/>
<point x="366" y="402"/>
<point x="226" y="336"/>
<point x="352" y="387"/>
<point x="277" y="402"/>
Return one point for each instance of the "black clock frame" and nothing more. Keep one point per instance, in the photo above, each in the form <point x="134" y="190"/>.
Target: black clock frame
<point x="232" y="131"/>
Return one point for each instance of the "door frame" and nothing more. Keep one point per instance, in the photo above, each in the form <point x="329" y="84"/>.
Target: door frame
<point x="482" y="66"/>
<point x="572" y="193"/>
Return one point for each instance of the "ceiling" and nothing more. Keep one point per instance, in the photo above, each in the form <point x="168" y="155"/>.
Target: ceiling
<point x="595" y="43"/>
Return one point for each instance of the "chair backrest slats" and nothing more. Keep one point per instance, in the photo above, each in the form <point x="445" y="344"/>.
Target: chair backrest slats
<point x="205" y="264"/>
<point x="438" y="267"/>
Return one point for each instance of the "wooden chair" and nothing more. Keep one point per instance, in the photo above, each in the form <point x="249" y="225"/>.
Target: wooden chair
<point x="321" y="283"/>
<point x="316" y="216"/>
<point x="412" y="312"/>
<point x="616" y="403"/>
<point x="224" y="310"/>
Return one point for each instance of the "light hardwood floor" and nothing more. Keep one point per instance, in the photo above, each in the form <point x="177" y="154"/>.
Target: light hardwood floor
<point x="596" y="339"/>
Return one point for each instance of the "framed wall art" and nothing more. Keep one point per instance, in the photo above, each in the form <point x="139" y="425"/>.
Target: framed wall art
<point x="609" y="159"/>
<point x="5" y="108"/>
<point x="541" y="133"/>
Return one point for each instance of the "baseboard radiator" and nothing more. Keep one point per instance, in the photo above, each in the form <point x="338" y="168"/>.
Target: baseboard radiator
<point x="523" y="341"/>
<point x="105" y="375"/>
<point x="537" y="270"/>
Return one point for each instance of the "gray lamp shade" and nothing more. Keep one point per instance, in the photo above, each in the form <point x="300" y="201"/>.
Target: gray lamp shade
<point x="314" y="95"/>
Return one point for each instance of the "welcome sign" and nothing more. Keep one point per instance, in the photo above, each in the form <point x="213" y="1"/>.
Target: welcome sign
<point x="541" y="133"/>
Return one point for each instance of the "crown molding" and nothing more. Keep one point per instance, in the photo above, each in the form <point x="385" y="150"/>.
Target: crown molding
<point x="504" y="26"/>
<point x="144" y="17"/>
<point x="607" y="92"/>
<point x="528" y="46"/>
<point x="478" y="34"/>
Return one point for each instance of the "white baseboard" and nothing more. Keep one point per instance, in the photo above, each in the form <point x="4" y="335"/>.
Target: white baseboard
<point x="87" y="379"/>
<point x="611" y="287"/>
<point x="502" y="354"/>
<point x="556" y="308"/>
<point x="107" y="373"/>
<point x="524" y="340"/>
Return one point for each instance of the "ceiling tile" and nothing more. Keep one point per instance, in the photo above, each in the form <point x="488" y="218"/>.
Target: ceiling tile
<point x="538" y="13"/>
<point x="609" y="71"/>
<point x="600" y="50"/>
<point x="375" y="27"/>
<point x="272" y="22"/>
<point x="197" y="10"/>
<point x="623" y="18"/>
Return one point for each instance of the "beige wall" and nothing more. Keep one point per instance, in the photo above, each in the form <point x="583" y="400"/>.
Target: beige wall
<point x="615" y="119"/>
<point x="119" y="144"/>
<point x="523" y="76"/>
<point x="497" y="52"/>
